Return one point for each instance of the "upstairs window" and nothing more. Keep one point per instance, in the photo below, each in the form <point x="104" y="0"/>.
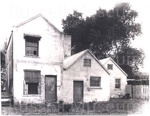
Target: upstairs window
<point x="31" y="45"/>
<point x="110" y="67"/>
<point x="95" y="81"/>
<point x="117" y="83"/>
<point x="87" y="62"/>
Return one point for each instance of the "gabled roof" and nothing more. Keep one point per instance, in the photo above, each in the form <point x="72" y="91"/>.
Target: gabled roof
<point x="35" y="17"/>
<point x="68" y="62"/>
<point x="105" y="60"/>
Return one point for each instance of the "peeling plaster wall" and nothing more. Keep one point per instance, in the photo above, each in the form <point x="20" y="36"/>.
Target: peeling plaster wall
<point x="45" y="69"/>
<point x="49" y="61"/>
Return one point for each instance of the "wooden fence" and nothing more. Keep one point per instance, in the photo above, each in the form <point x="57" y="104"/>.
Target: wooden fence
<point x="138" y="91"/>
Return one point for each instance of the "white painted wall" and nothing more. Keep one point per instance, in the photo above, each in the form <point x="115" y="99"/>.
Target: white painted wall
<point x="78" y="72"/>
<point x="50" y="45"/>
<point x="116" y="73"/>
<point x="49" y="61"/>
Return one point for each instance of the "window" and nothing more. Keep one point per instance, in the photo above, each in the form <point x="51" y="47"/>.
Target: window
<point x="117" y="83"/>
<point x="32" y="45"/>
<point x="32" y="88"/>
<point x="95" y="81"/>
<point x="32" y="82"/>
<point x="87" y="62"/>
<point x="110" y="67"/>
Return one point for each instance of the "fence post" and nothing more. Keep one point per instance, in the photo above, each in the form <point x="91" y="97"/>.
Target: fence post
<point x="132" y="91"/>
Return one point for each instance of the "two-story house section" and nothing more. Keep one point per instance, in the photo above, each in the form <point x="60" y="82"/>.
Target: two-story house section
<point x="118" y="80"/>
<point x="35" y="53"/>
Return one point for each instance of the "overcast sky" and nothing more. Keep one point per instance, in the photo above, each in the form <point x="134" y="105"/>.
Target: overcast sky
<point x="15" y="11"/>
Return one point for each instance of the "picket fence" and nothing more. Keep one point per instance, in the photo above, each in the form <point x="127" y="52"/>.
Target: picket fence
<point x="138" y="91"/>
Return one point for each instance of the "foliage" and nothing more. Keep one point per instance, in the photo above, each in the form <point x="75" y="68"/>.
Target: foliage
<point x="3" y="80"/>
<point x="128" y="70"/>
<point x="105" y="33"/>
<point x="3" y="69"/>
<point x="130" y="56"/>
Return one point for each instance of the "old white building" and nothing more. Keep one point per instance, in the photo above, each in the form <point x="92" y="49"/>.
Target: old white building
<point x="85" y="79"/>
<point x="37" y="72"/>
<point x="34" y="59"/>
<point x="118" y="80"/>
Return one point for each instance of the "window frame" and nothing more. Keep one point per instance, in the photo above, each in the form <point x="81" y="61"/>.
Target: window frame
<point x="109" y="67"/>
<point x="35" y="39"/>
<point x="116" y="83"/>
<point x="85" y="62"/>
<point x="26" y="84"/>
<point x="95" y="86"/>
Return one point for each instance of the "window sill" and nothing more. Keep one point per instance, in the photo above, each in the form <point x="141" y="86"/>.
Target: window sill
<point x="32" y="95"/>
<point x="117" y="89"/>
<point x="95" y="88"/>
<point x="32" y="56"/>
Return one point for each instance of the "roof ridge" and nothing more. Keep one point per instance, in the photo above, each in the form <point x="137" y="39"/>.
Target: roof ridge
<point x="76" y="59"/>
<point x="29" y="19"/>
<point x="109" y="58"/>
<point x="79" y="53"/>
<point x="36" y="16"/>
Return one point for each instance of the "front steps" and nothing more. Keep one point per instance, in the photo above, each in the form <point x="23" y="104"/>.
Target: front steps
<point x="6" y="99"/>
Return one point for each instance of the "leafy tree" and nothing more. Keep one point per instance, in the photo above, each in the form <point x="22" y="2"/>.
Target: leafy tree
<point x="106" y="33"/>
<point x="129" y="71"/>
<point x="130" y="56"/>
<point x="3" y="69"/>
<point x="73" y="25"/>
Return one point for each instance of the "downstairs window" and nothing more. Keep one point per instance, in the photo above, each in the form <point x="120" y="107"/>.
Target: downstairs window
<point x="32" y="82"/>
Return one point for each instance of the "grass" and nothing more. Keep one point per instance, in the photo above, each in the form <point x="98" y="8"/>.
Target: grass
<point x="114" y="106"/>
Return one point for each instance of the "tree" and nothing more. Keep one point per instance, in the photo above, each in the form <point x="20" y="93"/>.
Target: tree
<point x="74" y="26"/>
<point x="130" y="56"/>
<point x="105" y="33"/>
<point x="3" y="68"/>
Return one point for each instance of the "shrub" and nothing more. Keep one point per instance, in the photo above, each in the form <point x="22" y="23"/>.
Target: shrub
<point x="67" y="107"/>
<point x="61" y="102"/>
<point x="62" y="107"/>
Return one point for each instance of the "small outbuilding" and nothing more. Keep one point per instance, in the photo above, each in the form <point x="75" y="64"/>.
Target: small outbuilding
<point x="118" y="80"/>
<point x="85" y="79"/>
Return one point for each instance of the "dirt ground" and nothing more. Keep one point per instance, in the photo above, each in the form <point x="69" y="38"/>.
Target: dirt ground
<point x="114" y="106"/>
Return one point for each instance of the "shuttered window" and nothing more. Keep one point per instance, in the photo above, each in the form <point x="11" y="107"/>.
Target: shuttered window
<point x="32" y="82"/>
<point x="32" y="76"/>
<point x="95" y="81"/>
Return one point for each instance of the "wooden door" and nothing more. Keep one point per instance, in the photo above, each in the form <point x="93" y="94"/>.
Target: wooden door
<point x="78" y="91"/>
<point x="50" y="89"/>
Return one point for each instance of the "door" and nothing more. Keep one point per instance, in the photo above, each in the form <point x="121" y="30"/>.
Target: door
<point x="50" y="89"/>
<point x="78" y="91"/>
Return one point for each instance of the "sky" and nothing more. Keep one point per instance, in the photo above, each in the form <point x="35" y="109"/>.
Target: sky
<point x="14" y="12"/>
